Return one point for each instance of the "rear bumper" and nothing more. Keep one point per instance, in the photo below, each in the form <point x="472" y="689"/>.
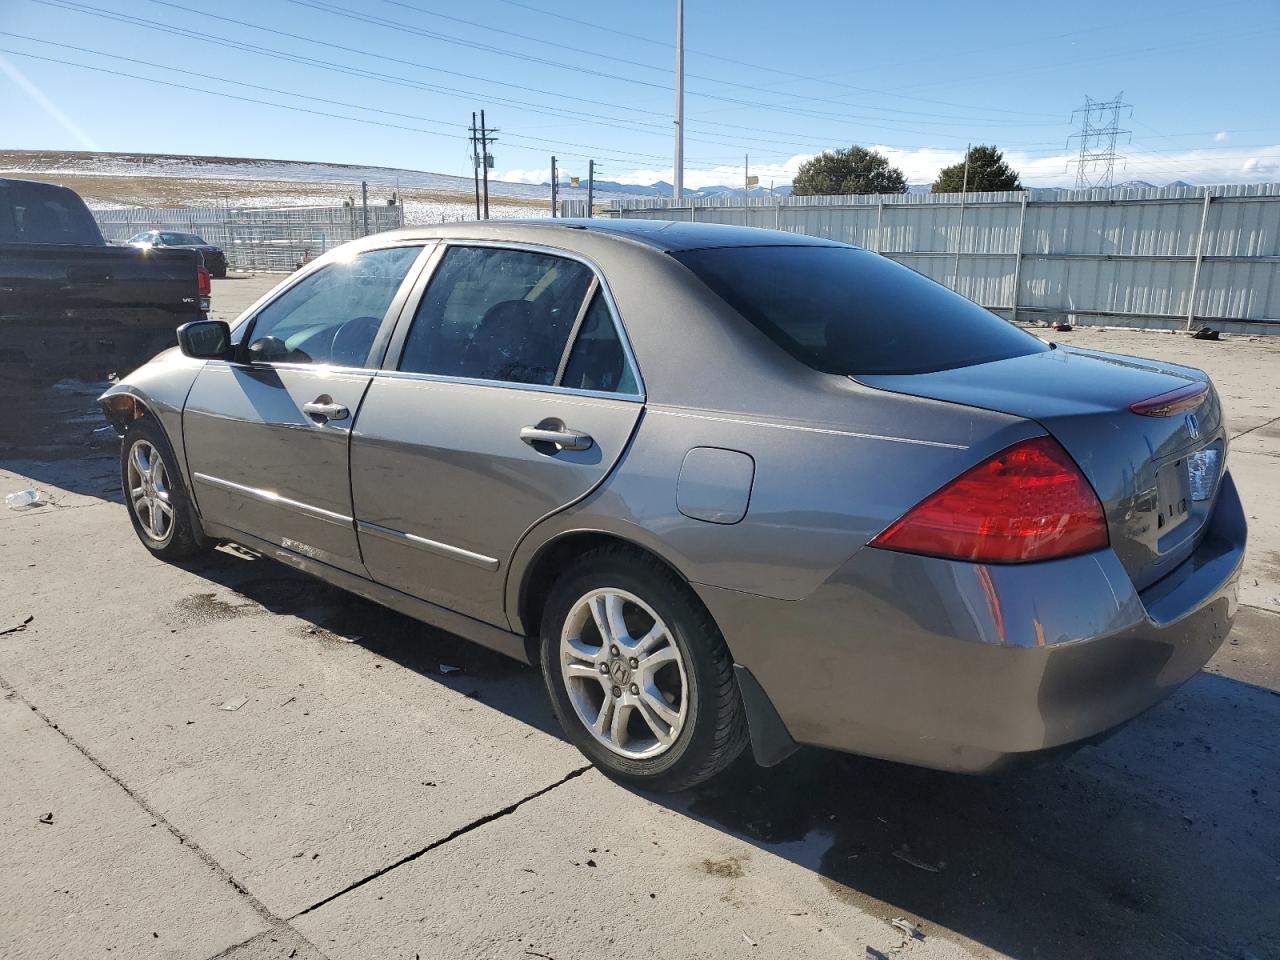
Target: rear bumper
<point x="967" y="667"/>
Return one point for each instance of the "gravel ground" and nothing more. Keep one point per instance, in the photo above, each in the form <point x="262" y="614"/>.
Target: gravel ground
<point x="225" y="759"/>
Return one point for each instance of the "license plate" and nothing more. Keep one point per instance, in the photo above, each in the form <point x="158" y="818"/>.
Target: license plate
<point x="1172" y="494"/>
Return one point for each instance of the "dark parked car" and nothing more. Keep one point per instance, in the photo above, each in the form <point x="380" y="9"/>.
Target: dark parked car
<point x="73" y="306"/>
<point x="214" y="257"/>
<point x="723" y="484"/>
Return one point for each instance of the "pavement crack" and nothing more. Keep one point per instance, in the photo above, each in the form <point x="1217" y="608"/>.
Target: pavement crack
<point x="1251" y="429"/>
<point x="273" y="921"/>
<point x="436" y="844"/>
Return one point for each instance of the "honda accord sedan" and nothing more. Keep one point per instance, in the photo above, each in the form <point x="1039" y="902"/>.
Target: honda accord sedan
<point x="726" y="486"/>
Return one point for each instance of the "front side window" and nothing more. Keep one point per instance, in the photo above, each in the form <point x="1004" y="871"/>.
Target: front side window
<point x="847" y="311"/>
<point x="332" y="316"/>
<point x="494" y="314"/>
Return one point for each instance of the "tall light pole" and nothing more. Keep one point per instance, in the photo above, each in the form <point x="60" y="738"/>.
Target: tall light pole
<point x="677" y="189"/>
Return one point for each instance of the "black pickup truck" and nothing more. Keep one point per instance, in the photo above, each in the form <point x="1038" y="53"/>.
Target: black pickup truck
<point x="73" y="306"/>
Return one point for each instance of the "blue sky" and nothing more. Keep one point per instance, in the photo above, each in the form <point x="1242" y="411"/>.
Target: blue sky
<point x="776" y="81"/>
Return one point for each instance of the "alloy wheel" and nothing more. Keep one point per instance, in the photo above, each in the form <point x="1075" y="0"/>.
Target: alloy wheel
<point x="624" y="673"/>
<point x="149" y="491"/>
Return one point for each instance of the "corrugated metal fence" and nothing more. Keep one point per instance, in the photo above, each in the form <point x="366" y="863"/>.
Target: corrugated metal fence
<point x="269" y="239"/>
<point x="1166" y="257"/>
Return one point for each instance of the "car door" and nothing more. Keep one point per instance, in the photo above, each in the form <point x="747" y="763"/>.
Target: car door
<point x="267" y="434"/>
<point x="507" y="395"/>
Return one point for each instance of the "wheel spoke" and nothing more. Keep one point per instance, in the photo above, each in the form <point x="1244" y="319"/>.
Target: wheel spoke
<point x="601" y="619"/>
<point x="157" y="470"/>
<point x="582" y="671"/>
<point x="617" y="625"/>
<point x="575" y="647"/>
<point x="165" y="506"/>
<point x="601" y="724"/>
<point x="618" y="727"/>
<point x="140" y="462"/>
<point x="661" y="731"/>
<point x="157" y="519"/>
<point x="654" y="699"/>
<point x="657" y="633"/>
<point x="656" y="660"/>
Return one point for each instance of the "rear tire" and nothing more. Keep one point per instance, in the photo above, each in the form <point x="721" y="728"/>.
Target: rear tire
<point x="638" y="673"/>
<point x="155" y="495"/>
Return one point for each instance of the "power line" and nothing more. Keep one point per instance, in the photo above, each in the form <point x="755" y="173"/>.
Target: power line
<point x="244" y="46"/>
<point x="400" y="25"/>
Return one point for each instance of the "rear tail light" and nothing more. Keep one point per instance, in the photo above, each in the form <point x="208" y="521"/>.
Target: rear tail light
<point x="1172" y="403"/>
<point x="203" y="281"/>
<point x="1028" y="502"/>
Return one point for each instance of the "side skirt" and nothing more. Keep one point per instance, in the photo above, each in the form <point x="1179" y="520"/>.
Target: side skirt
<point x="487" y="635"/>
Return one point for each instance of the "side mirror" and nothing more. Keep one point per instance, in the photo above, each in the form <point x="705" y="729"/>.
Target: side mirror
<point x="205" y="339"/>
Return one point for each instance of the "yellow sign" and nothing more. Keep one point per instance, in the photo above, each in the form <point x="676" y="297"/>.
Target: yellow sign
<point x="575" y="181"/>
<point x="753" y="181"/>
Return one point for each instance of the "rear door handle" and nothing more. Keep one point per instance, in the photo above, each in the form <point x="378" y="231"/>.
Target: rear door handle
<point x="559" y="436"/>
<point x="322" y="408"/>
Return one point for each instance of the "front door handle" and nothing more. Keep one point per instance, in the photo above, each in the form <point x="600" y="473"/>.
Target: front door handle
<point x="323" y="408"/>
<point x="556" y="434"/>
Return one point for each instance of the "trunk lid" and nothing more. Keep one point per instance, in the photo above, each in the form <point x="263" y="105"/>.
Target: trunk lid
<point x="1157" y="476"/>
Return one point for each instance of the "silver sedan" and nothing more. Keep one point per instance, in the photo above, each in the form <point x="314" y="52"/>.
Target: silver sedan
<point x="726" y="486"/>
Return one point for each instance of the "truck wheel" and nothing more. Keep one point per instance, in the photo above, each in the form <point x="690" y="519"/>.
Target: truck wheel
<point x="638" y="673"/>
<point x="159" y="506"/>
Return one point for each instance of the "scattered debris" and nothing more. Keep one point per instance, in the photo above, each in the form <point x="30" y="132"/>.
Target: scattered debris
<point x="903" y="853"/>
<point x="24" y="499"/>
<point x="233" y="705"/>
<point x="591" y="863"/>
<point x="448" y="668"/>
<point x="874" y="954"/>
<point x="750" y="942"/>
<point x="289" y="701"/>
<point x="1063" y="328"/>
<point x="355" y="639"/>
<point x="19" y="628"/>
<point x="474" y="695"/>
<point x="1206" y="333"/>
<point x="47" y="818"/>
<point x="907" y="927"/>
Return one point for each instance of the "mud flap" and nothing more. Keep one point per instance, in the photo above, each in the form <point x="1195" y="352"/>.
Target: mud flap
<point x="771" y="743"/>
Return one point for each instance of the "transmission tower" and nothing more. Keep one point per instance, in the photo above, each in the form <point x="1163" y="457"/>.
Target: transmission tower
<point x="1099" y="130"/>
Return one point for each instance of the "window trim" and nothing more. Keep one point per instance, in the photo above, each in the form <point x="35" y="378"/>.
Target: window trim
<point x="391" y="359"/>
<point x="386" y="328"/>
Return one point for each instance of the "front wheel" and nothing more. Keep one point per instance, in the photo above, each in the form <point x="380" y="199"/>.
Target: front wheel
<point x="155" y="496"/>
<point x="638" y="673"/>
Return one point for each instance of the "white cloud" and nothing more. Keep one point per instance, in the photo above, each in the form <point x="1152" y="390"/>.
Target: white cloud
<point x="1220" y="136"/>
<point x="1207" y="165"/>
<point x="527" y="176"/>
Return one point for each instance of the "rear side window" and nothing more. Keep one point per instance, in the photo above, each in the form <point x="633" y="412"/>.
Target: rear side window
<point x="597" y="360"/>
<point x="494" y="314"/>
<point x="848" y="311"/>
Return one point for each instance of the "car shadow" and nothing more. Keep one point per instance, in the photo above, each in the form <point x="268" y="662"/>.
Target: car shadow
<point x="1161" y="842"/>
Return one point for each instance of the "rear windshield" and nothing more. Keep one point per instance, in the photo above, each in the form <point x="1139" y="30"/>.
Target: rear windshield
<point x="33" y="213"/>
<point x="848" y="311"/>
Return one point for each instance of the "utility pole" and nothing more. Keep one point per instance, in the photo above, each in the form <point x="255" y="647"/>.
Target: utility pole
<point x="475" y="163"/>
<point x="677" y="189"/>
<point x="485" y="140"/>
<point x="591" y="185"/>
<point x="364" y="202"/>
<point x="555" y="189"/>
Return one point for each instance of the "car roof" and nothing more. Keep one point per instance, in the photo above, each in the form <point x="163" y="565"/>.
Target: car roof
<point x="664" y="235"/>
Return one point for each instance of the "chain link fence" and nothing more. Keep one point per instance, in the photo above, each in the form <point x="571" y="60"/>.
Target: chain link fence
<point x="258" y="239"/>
